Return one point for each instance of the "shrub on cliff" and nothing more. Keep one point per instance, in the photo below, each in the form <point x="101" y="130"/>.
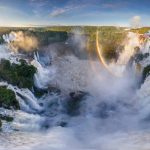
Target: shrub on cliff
<point x="8" y="98"/>
<point x="20" y="75"/>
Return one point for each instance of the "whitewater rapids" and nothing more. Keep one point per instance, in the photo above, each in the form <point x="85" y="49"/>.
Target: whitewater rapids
<point x="114" y="116"/>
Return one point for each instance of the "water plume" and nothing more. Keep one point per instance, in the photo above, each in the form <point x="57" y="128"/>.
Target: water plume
<point x="78" y="41"/>
<point x="21" y="41"/>
<point x="136" y="22"/>
<point x="132" y="41"/>
<point x="131" y="44"/>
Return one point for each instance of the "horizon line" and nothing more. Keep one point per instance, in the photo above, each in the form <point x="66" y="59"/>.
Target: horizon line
<point x="28" y="26"/>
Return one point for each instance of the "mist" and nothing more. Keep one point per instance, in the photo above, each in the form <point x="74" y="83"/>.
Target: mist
<point x="21" y="41"/>
<point x="136" y="22"/>
<point x="109" y="117"/>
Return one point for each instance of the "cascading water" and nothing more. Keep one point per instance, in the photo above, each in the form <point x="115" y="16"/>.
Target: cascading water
<point x="110" y="113"/>
<point x="44" y="74"/>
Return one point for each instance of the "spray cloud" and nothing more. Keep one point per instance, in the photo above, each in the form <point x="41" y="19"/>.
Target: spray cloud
<point x="21" y="41"/>
<point x="136" y="22"/>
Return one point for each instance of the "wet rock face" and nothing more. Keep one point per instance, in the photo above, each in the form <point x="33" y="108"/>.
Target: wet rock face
<point x="0" y="124"/>
<point x="139" y="57"/>
<point x="38" y="92"/>
<point x="74" y="102"/>
<point x="146" y="73"/>
<point x="143" y="72"/>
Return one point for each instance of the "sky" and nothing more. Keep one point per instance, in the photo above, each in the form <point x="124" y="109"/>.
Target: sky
<point x="74" y="12"/>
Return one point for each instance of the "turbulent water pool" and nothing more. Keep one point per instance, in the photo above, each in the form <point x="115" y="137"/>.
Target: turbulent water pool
<point x="65" y="139"/>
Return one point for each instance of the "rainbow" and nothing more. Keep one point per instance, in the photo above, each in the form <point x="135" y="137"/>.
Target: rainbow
<point x="102" y="60"/>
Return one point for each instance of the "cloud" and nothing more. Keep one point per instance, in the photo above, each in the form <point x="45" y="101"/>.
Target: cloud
<point x="136" y="22"/>
<point x="60" y="11"/>
<point x="114" y="5"/>
<point x="38" y="6"/>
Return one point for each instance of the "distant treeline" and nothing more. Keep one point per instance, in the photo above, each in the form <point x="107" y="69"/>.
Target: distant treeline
<point x="47" y="37"/>
<point x="141" y="30"/>
<point x="111" y="38"/>
<point x="44" y="37"/>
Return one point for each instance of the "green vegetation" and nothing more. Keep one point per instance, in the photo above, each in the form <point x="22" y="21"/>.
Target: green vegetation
<point x="6" y="30"/>
<point x="141" y="30"/>
<point x="43" y="36"/>
<point x="111" y="38"/>
<point x="111" y="41"/>
<point x="8" y="99"/>
<point x="46" y="37"/>
<point x="20" y="75"/>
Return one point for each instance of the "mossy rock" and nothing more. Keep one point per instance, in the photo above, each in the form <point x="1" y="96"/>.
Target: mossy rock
<point x="8" y="99"/>
<point x="6" y="118"/>
<point x="39" y="92"/>
<point x="21" y="75"/>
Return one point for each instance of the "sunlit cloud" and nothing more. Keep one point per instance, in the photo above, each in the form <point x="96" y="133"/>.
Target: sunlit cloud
<point x="136" y="21"/>
<point x="61" y="11"/>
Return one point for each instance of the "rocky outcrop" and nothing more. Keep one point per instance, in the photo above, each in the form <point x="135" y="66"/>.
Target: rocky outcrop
<point x="146" y="73"/>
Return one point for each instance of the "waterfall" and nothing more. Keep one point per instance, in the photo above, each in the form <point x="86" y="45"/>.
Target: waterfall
<point x="110" y="112"/>
<point x="44" y="73"/>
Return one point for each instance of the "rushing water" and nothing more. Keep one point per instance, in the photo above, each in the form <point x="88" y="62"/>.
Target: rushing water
<point x="115" y="115"/>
